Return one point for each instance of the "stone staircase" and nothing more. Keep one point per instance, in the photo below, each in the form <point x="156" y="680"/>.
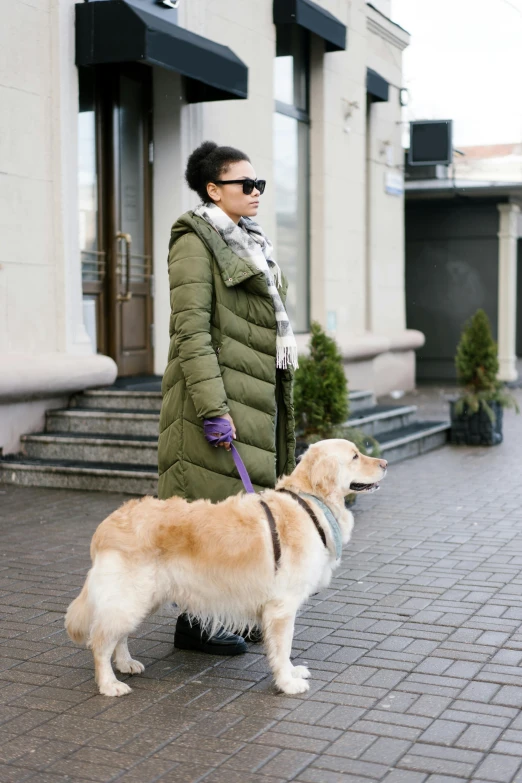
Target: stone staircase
<point x="107" y="440"/>
<point x="396" y="427"/>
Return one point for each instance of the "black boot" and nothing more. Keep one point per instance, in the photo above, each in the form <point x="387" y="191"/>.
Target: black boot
<point x="190" y="636"/>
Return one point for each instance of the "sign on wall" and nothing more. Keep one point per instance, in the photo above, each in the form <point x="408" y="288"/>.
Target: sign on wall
<point x="394" y="183"/>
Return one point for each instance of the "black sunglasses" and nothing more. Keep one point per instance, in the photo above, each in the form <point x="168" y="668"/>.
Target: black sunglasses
<point x="248" y="184"/>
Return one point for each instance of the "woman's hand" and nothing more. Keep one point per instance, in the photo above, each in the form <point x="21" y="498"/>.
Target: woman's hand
<point x="228" y="417"/>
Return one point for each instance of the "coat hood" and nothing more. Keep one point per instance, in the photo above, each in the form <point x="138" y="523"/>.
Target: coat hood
<point x="233" y="269"/>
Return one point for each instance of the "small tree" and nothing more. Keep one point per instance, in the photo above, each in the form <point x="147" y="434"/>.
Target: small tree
<point x="477" y="356"/>
<point x="321" y="390"/>
<point x="477" y="369"/>
<point x="321" y="395"/>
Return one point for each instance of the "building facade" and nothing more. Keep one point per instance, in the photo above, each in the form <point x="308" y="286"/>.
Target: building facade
<point x="101" y="104"/>
<point x="463" y="245"/>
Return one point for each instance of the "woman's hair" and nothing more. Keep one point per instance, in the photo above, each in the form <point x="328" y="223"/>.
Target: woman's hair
<point x="208" y="163"/>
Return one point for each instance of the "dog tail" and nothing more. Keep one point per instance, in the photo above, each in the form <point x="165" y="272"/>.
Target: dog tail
<point x="78" y="617"/>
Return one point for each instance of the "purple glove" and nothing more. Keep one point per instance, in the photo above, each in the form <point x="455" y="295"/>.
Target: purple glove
<point x="218" y="431"/>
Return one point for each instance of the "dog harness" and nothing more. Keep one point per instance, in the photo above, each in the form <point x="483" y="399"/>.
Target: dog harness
<point x="273" y="531"/>
<point x="334" y="524"/>
<point x="309" y="511"/>
<point x="218" y="430"/>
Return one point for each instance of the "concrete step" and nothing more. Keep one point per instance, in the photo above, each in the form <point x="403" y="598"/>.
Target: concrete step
<point x="141" y="479"/>
<point x="118" y="399"/>
<point x="360" y="400"/>
<point x="66" y="474"/>
<point x="380" y="419"/>
<point x="85" y="447"/>
<point x="121" y="400"/>
<point x="107" y="440"/>
<point x="103" y="422"/>
<point x="417" y="438"/>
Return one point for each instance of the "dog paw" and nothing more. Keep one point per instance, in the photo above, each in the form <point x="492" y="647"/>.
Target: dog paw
<point x="115" y="688"/>
<point x="294" y="685"/>
<point x="130" y="667"/>
<point x="301" y="671"/>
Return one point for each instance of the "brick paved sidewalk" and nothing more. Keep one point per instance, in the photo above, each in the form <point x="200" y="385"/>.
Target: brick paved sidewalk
<point x="415" y="650"/>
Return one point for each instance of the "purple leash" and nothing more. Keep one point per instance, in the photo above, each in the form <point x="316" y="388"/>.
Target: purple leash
<point x="218" y="431"/>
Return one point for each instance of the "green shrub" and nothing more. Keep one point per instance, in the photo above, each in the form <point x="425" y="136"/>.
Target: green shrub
<point x="477" y="369"/>
<point x="321" y="390"/>
<point x="321" y="398"/>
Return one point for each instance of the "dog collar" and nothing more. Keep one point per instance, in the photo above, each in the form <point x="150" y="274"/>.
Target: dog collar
<point x="332" y="521"/>
<point x="330" y="517"/>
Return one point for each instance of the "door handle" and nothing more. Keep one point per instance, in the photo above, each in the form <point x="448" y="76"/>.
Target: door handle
<point x="128" y="245"/>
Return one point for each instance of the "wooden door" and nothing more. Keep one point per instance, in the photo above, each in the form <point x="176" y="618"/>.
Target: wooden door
<point x="123" y="282"/>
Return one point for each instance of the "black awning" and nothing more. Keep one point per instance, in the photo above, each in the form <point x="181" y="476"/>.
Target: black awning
<point x="312" y="17"/>
<point x="123" y="31"/>
<point x="377" y="88"/>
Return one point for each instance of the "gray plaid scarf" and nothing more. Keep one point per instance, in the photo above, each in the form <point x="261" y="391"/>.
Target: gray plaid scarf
<point x="247" y="240"/>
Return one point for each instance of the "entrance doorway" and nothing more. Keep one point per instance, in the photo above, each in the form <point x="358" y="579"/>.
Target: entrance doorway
<point x="115" y="165"/>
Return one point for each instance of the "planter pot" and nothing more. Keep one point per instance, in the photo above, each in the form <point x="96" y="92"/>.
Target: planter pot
<point x="300" y="447"/>
<point x="476" y="429"/>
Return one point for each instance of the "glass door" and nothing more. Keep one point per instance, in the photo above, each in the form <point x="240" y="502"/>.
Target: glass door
<point x="132" y="259"/>
<point x="115" y="214"/>
<point x="93" y="251"/>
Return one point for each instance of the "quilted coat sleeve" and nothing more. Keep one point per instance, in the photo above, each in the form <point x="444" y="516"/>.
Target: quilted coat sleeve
<point x="191" y="295"/>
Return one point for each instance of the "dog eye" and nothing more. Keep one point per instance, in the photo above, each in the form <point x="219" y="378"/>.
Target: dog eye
<point x="356" y="456"/>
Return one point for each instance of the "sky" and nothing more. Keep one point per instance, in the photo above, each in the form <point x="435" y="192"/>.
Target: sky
<point x="465" y="63"/>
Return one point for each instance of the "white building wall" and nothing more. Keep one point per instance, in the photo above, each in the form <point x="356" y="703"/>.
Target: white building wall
<point x="167" y="198"/>
<point x="41" y="321"/>
<point x="28" y="276"/>
<point x="246" y="124"/>
<point x="344" y="75"/>
<point x="357" y="248"/>
<point x="341" y="289"/>
<point x="38" y="187"/>
<point x="386" y="294"/>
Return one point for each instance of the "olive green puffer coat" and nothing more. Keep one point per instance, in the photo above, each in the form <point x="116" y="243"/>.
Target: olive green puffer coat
<point x="221" y="360"/>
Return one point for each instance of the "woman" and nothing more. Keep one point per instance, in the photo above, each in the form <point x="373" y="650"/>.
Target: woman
<point x="232" y="350"/>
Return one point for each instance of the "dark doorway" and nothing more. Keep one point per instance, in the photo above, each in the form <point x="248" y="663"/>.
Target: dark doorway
<point x="451" y="271"/>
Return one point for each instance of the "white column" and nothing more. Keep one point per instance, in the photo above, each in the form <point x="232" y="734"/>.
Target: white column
<point x="73" y="337"/>
<point x="167" y="198"/>
<point x="318" y="142"/>
<point x="507" y="291"/>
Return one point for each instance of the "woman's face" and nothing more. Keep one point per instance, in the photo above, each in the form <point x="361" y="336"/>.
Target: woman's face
<point x="231" y="198"/>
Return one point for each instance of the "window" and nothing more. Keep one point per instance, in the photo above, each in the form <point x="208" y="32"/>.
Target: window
<point x="291" y="153"/>
<point x="88" y="176"/>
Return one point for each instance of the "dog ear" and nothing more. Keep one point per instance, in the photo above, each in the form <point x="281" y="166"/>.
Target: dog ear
<point x="324" y="475"/>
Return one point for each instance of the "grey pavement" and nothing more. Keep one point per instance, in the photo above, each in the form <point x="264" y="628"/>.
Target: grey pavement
<point x="415" y="650"/>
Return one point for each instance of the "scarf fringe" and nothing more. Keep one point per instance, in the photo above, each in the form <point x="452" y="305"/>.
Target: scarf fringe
<point x="286" y="356"/>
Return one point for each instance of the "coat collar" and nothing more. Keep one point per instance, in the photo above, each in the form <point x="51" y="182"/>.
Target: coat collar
<point x="233" y="269"/>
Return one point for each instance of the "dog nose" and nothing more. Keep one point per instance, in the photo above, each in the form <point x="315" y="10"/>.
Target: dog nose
<point x="383" y="463"/>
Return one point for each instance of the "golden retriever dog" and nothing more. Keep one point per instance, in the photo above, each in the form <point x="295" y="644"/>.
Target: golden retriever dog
<point x="217" y="562"/>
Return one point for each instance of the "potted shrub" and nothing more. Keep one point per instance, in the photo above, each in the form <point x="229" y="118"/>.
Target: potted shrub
<point x="476" y="416"/>
<point x="321" y="398"/>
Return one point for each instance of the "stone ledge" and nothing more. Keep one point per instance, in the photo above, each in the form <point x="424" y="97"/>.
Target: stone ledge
<point x="381" y="25"/>
<point x="368" y="346"/>
<point x="31" y="377"/>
